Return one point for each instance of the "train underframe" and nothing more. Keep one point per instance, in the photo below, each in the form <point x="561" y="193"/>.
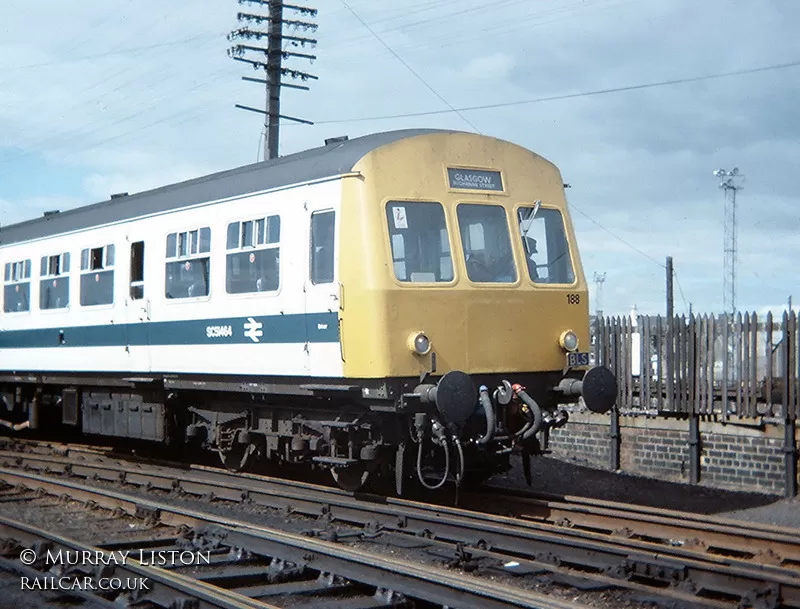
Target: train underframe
<point x="394" y="432"/>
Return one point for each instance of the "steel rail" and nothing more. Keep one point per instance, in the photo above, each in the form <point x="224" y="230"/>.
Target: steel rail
<point x="766" y="545"/>
<point x="763" y="543"/>
<point x="625" y="559"/>
<point x="165" y="588"/>
<point x="426" y="582"/>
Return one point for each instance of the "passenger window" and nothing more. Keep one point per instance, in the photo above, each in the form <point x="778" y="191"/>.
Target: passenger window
<point x="486" y="243"/>
<point x="188" y="264"/>
<point x="54" y="284"/>
<point x="253" y="259"/>
<point x="419" y="242"/>
<point x="137" y="270"/>
<point x="322" y="237"/>
<point x="17" y="287"/>
<point x="545" y="243"/>
<point x="97" y="276"/>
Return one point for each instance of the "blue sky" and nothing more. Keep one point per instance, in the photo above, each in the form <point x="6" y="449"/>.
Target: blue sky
<point x="104" y="97"/>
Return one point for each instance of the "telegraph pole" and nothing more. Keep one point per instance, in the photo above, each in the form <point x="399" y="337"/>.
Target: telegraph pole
<point x="274" y="65"/>
<point x="670" y="291"/>
<point x="275" y="54"/>
<point x="670" y="347"/>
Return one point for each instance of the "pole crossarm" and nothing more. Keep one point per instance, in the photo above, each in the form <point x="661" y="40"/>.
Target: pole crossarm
<point x="260" y="19"/>
<point x="261" y="65"/>
<point x="260" y="111"/>
<point x="249" y="34"/>
<point x="240" y="49"/>
<point x="263" y="81"/>
<point x="311" y="12"/>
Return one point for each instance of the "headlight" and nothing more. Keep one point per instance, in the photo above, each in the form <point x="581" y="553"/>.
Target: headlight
<point x="568" y="341"/>
<point x="419" y="343"/>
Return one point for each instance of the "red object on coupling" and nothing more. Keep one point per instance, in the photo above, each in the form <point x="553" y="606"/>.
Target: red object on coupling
<point x="516" y="388"/>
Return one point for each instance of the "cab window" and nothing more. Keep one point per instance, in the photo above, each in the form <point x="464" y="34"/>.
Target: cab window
<point x="544" y="242"/>
<point x="486" y="243"/>
<point x="419" y="241"/>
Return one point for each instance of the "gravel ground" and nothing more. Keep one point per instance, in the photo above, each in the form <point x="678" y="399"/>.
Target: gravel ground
<point x="560" y="476"/>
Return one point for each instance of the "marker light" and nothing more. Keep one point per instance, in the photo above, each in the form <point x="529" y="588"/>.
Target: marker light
<point x="419" y="343"/>
<point x="568" y="341"/>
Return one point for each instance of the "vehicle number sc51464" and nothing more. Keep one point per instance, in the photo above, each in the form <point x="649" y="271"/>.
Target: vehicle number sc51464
<point x="219" y="331"/>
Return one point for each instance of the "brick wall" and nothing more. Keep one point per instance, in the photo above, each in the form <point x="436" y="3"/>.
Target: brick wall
<point x="585" y="442"/>
<point x="733" y="461"/>
<point x="658" y="453"/>
<point x="732" y="457"/>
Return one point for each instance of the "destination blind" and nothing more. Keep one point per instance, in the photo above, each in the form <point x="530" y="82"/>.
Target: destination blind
<point x="474" y="179"/>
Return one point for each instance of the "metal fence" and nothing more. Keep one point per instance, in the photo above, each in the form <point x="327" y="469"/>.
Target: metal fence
<point x="730" y="366"/>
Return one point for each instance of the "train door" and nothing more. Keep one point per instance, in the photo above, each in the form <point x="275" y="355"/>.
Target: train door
<point x="137" y="309"/>
<point x="322" y="293"/>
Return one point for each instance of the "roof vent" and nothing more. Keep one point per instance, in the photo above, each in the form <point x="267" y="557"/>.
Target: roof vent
<point x="51" y="212"/>
<point x="336" y="140"/>
<point x="119" y="195"/>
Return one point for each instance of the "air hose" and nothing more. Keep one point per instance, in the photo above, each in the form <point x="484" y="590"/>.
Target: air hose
<point x="488" y="413"/>
<point x="437" y="431"/>
<point x="533" y="413"/>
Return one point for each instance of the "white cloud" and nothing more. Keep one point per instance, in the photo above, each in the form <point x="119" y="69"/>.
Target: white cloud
<point x="487" y="69"/>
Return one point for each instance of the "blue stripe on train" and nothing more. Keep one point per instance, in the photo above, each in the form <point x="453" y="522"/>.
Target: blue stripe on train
<point x="300" y="328"/>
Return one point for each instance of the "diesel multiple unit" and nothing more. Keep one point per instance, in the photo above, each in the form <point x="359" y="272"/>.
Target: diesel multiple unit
<point x="409" y="303"/>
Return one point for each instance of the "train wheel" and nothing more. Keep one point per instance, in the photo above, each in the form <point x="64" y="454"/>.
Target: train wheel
<point x="237" y="458"/>
<point x="350" y="479"/>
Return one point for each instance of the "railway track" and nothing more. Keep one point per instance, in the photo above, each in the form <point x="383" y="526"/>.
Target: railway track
<point x="247" y="566"/>
<point x="25" y="550"/>
<point x="756" y="542"/>
<point x="591" y="553"/>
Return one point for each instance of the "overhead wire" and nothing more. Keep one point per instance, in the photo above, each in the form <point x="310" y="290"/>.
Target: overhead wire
<point x="636" y="249"/>
<point x="680" y="289"/>
<point x="122" y="51"/>
<point x="138" y="129"/>
<point x="95" y="25"/>
<point x="81" y="132"/>
<point x="408" y="66"/>
<point x="613" y="234"/>
<point x="527" y="22"/>
<point x="596" y="92"/>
